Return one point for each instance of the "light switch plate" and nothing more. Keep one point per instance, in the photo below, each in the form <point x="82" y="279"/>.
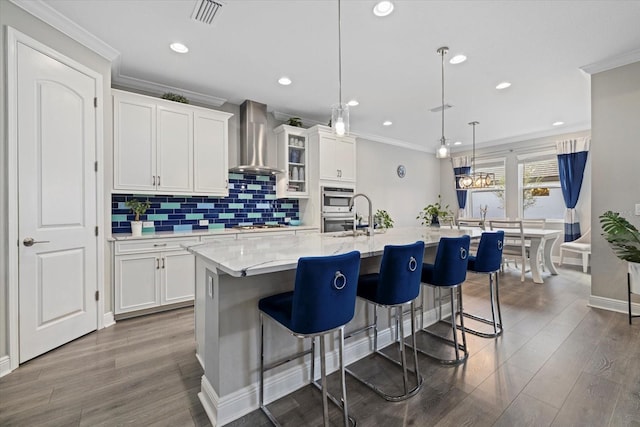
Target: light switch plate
<point x="203" y="222"/>
<point x="637" y="208"/>
<point x="147" y="224"/>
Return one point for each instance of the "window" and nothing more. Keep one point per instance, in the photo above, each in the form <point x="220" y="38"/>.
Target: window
<point x="540" y="192"/>
<point x="491" y="199"/>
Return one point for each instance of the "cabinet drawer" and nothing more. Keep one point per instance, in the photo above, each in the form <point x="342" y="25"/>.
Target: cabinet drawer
<point x="154" y="245"/>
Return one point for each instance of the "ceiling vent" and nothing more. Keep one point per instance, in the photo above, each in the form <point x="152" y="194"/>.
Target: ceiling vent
<point x="439" y="108"/>
<point x="205" y="11"/>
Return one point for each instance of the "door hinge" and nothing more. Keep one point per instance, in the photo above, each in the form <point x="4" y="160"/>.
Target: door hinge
<point x="95" y="166"/>
<point x="95" y="102"/>
<point x="97" y="295"/>
<point x="96" y="231"/>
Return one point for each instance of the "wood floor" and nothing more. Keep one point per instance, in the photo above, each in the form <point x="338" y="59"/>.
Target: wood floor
<point x="558" y="363"/>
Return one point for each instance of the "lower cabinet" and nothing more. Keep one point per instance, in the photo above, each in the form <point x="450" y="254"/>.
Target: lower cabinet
<point x="148" y="277"/>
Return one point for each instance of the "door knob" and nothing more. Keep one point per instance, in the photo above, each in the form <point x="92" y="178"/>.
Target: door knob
<point x="28" y="241"/>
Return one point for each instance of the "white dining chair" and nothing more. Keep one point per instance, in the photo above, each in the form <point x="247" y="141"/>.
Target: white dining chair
<point x="581" y="245"/>
<point x="514" y="246"/>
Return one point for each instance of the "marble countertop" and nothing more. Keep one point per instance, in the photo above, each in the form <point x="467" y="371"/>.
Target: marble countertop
<point x="260" y="255"/>
<point x="222" y="231"/>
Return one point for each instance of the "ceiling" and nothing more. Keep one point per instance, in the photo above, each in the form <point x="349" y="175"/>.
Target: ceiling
<point x="389" y="65"/>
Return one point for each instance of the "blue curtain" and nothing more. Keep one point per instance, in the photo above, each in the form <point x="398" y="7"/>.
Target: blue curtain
<point x="462" y="194"/>
<point x="571" y="168"/>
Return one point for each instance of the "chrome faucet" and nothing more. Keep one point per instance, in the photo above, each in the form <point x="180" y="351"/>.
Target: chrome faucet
<point x="370" y="226"/>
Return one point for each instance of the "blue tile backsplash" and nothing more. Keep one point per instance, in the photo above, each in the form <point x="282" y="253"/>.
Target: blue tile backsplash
<point x="252" y="200"/>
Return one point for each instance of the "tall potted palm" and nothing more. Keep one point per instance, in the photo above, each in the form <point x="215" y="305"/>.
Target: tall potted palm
<point x="624" y="239"/>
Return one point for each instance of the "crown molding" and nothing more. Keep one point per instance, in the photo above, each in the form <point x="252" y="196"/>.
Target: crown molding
<point x="283" y="117"/>
<point x="562" y="130"/>
<point x="126" y="82"/>
<point x="52" y="17"/>
<point x="612" y="62"/>
<point x="395" y="142"/>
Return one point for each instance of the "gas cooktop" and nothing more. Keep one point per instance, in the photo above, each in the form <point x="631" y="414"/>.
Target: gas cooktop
<point x="258" y="226"/>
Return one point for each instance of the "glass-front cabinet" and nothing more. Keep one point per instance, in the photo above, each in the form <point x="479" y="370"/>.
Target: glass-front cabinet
<point x="293" y="158"/>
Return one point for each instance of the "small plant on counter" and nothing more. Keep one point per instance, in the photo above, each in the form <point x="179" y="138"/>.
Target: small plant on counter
<point x="623" y="236"/>
<point x="137" y="207"/>
<point x="175" y="97"/>
<point x="382" y="219"/>
<point x="430" y="213"/>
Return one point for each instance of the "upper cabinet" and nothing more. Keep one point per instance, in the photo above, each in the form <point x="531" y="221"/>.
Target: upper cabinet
<point x="337" y="155"/>
<point x="293" y="158"/>
<point x="164" y="147"/>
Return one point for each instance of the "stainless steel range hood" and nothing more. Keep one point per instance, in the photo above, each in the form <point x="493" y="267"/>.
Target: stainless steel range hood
<point x="253" y="140"/>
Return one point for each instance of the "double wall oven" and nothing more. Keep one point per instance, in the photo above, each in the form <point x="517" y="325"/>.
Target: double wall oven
<point x="336" y="215"/>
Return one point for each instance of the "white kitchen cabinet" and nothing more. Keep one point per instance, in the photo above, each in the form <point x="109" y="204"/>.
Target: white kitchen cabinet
<point x="293" y="158"/>
<point x="337" y="155"/>
<point x="153" y="273"/>
<point x="211" y="158"/>
<point x="169" y="148"/>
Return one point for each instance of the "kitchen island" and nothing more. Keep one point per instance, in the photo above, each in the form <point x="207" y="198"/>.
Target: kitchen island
<point x="231" y="276"/>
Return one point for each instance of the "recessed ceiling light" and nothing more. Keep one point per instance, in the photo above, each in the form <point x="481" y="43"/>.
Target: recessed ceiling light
<point x="383" y="8"/>
<point x="458" y="59"/>
<point x="284" y="81"/>
<point x="557" y="123"/>
<point x="179" y="47"/>
<point x="457" y="143"/>
<point x="353" y="103"/>
<point x="503" y="85"/>
<point x="387" y="123"/>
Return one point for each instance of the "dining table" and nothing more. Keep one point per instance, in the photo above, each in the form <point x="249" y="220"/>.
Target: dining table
<point x="542" y="241"/>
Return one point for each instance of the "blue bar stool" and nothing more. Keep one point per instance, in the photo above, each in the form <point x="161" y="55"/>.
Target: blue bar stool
<point x="397" y="284"/>
<point x="323" y="301"/>
<point x="449" y="270"/>
<point x="487" y="260"/>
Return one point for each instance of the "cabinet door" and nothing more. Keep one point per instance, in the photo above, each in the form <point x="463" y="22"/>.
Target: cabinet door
<point x="211" y="162"/>
<point x="134" y="143"/>
<point x="345" y="159"/>
<point x="178" y="272"/>
<point x="328" y="166"/>
<point x="136" y="282"/>
<point x="174" y="171"/>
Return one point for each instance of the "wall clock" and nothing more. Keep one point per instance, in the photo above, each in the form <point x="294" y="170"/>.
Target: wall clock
<point x="402" y="171"/>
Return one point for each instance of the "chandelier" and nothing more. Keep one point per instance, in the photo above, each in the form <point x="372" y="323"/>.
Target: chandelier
<point x="475" y="179"/>
<point x="340" y="111"/>
<point x="443" y="150"/>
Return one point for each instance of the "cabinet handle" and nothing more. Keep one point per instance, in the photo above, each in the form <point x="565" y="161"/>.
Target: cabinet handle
<point x="155" y="245"/>
<point x="153" y="179"/>
<point x="226" y="183"/>
<point x="163" y="262"/>
<point x="158" y="180"/>
<point x="157" y="264"/>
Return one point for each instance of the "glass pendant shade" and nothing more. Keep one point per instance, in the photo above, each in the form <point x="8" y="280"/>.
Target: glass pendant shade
<point x="340" y="119"/>
<point x="443" y="151"/>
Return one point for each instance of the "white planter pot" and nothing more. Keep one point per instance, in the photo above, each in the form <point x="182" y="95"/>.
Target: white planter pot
<point x="634" y="277"/>
<point x="136" y="228"/>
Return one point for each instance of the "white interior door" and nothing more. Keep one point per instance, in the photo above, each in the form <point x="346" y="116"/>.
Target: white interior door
<point x="57" y="272"/>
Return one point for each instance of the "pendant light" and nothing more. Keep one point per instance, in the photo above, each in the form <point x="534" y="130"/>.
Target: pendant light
<point x="475" y="179"/>
<point x="340" y="111"/>
<point x="443" y="150"/>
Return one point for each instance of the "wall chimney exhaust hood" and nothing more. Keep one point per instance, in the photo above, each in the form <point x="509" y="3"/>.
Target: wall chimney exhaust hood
<point x="253" y="140"/>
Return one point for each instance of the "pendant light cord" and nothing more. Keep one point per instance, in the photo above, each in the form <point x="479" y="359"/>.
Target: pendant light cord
<point x="442" y="141"/>
<point x="339" y="56"/>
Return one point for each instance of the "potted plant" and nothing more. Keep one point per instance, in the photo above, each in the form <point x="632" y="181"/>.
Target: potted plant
<point x="624" y="239"/>
<point x="430" y="213"/>
<point x="137" y="208"/>
<point x="295" y="121"/>
<point x="382" y="219"/>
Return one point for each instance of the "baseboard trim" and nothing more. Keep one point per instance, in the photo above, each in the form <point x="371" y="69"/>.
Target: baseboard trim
<point x="108" y="320"/>
<point x="222" y="410"/>
<point x="619" y="306"/>
<point x="5" y="365"/>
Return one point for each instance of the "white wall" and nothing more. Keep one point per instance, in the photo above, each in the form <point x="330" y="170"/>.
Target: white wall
<point x="615" y="108"/>
<point x="404" y="197"/>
